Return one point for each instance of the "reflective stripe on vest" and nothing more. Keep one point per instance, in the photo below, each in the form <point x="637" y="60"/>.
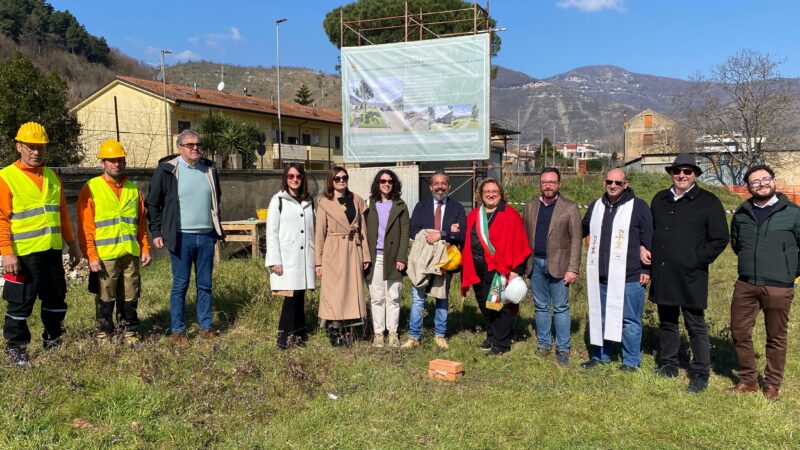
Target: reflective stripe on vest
<point x="35" y="213"/>
<point x="116" y="220"/>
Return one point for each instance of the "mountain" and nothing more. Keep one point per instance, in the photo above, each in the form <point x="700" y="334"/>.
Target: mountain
<point x="618" y="85"/>
<point x="326" y="89"/>
<point x="542" y="103"/>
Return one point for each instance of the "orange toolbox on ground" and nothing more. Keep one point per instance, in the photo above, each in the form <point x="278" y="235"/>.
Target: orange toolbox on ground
<point x="443" y="369"/>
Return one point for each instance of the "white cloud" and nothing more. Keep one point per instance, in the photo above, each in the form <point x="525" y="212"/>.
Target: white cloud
<point x="592" y="5"/>
<point x="216" y="39"/>
<point x="185" y="56"/>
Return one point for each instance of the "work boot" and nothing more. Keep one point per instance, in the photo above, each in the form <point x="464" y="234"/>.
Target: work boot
<point x="668" y="371"/>
<point x="394" y="341"/>
<point x="131" y="339"/>
<point x="410" y="343"/>
<point x="18" y="357"/>
<point x="562" y="358"/>
<point x="771" y="393"/>
<point x="377" y="341"/>
<point x="50" y="344"/>
<point x="102" y="338"/>
<point x="441" y="343"/>
<point x="180" y="339"/>
<point x="335" y="336"/>
<point x="542" y="351"/>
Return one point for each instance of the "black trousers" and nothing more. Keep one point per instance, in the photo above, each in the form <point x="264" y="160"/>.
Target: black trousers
<point x="44" y="278"/>
<point x="126" y="314"/>
<point x="292" y="323"/>
<point x="498" y="323"/>
<point x="670" y="337"/>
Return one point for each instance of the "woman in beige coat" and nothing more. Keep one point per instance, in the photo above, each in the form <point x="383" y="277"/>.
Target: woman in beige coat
<point x="342" y="256"/>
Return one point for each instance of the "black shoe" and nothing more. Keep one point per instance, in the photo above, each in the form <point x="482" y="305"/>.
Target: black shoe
<point x="18" y="357"/>
<point x="668" y="371"/>
<point x="698" y="383"/>
<point x="485" y="345"/>
<point x="335" y="336"/>
<point x="562" y="358"/>
<point x="542" y="351"/>
<point x="627" y="368"/>
<point x="591" y="363"/>
<point x="497" y="351"/>
<point x="52" y="344"/>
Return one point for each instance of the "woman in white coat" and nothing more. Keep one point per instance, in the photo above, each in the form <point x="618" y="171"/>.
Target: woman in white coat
<point x="290" y="253"/>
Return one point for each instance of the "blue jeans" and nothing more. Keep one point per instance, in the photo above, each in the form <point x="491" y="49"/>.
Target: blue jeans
<point x="197" y="249"/>
<point x="550" y="291"/>
<point x="631" y="326"/>
<point x="418" y="297"/>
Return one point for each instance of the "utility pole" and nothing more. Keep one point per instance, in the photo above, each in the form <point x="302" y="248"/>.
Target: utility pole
<point x="166" y="107"/>
<point x="278" y="65"/>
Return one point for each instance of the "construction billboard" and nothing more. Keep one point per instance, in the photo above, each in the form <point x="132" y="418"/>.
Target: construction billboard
<point x="416" y="101"/>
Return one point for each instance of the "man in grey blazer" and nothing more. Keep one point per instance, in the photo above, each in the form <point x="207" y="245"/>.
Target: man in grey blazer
<point x="554" y="231"/>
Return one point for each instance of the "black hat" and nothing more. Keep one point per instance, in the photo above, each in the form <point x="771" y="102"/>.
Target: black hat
<point x="685" y="159"/>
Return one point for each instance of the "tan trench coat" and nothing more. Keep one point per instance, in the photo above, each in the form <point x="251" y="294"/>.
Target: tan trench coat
<point x="341" y="249"/>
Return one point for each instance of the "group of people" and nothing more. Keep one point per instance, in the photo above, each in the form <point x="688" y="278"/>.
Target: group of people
<point x="355" y="246"/>
<point x="669" y="245"/>
<point x="181" y="208"/>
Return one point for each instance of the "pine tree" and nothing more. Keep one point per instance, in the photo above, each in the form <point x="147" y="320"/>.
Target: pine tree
<point x="303" y="96"/>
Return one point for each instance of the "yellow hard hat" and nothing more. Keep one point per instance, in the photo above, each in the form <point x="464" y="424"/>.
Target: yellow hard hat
<point x="110" y="149"/>
<point x="32" y="133"/>
<point x="453" y="258"/>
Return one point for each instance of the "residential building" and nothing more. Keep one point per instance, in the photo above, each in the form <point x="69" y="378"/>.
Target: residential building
<point x="650" y="132"/>
<point x="146" y="115"/>
<point x="580" y="151"/>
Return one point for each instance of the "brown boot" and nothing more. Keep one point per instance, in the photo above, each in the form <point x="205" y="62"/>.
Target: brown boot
<point x="180" y="339"/>
<point x="742" y="388"/>
<point x="209" y="335"/>
<point x="770" y="393"/>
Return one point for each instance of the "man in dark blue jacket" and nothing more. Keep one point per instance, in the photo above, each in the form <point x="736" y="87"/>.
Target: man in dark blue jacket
<point x="447" y="220"/>
<point x="765" y="235"/>
<point x="183" y="211"/>
<point x="619" y="224"/>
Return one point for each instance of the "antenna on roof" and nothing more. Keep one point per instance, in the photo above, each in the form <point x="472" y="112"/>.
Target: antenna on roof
<point x="221" y="84"/>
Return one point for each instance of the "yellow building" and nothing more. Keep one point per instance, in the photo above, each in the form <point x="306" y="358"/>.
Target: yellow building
<point x="136" y="112"/>
<point x="650" y="132"/>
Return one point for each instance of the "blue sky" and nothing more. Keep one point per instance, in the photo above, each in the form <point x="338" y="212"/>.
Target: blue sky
<point x="675" y="38"/>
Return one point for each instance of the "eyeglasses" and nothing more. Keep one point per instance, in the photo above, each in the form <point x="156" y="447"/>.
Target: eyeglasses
<point x="341" y="179"/>
<point x="756" y="183"/>
<point x="193" y="145"/>
<point x="548" y="183"/>
<point x="678" y="171"/>
<point x="615" y="182"/>
<point x="385" y="181"/>
<point x="491" y="192"/>
<point x="292" y="177"/>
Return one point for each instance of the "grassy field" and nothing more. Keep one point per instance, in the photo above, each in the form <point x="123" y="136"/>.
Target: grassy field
<point x="242" y="392"/>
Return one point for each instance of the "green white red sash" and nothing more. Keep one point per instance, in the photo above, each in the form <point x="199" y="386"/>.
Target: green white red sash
<point x="499" y="281"/>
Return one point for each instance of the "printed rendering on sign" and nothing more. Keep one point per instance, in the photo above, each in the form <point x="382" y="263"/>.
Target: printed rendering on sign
<point x="417" y="101"/>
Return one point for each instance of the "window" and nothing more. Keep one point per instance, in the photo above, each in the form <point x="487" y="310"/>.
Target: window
<point x="275" y="136"/>
<point x="292" y="140"/>
<point x="184" y="125"/>
<point x="306" y="139"/>
<point x="647" y="139"/>
<point x="337" y="142"/>
<point x="648" y="121"/>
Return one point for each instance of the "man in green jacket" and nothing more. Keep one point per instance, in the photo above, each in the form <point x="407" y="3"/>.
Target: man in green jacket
<point x="765" y="235"/>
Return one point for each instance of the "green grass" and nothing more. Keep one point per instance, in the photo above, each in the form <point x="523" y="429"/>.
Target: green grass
<point x="244" y="393"/>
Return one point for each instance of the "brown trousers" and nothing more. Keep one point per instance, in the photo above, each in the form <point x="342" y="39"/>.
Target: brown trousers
<point x="776" y="302"/>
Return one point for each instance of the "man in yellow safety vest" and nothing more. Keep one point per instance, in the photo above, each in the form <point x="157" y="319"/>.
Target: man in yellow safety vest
<point x="112" y="229"/>
<point x="34" y="223"/>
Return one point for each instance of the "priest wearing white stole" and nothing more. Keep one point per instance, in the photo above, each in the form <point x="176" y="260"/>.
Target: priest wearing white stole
<point x="617" y="224"/>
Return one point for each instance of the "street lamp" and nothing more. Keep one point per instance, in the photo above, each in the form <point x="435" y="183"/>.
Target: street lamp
<point x="278" y="65"/>
<point x="166" y="109"/>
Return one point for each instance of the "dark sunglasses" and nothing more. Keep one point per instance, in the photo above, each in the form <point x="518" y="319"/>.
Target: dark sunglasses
<point x="192" y="145"/>
<point x="678" y="171"/>
<point x="344" y="178"/>
<point x="616" y="182"/>
<point x="385" y="181"/>
<point x="292" y="177"/>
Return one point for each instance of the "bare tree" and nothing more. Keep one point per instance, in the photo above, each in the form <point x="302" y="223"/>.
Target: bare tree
<point x="741" y="111"/>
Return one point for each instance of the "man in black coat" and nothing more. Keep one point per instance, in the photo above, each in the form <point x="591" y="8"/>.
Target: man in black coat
<point x="690" y="232"/>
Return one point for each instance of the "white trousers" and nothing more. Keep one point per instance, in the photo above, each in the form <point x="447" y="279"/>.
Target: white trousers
<point x="385" y="299"/>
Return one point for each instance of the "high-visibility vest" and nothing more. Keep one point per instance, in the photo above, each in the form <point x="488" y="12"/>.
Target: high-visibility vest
<point x="116" y="220"/>
<point x="35" y="213"/>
